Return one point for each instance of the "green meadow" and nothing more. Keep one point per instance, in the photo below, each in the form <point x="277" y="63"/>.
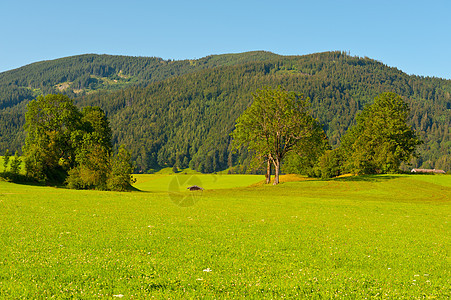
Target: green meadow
<point x="382" y="237"/>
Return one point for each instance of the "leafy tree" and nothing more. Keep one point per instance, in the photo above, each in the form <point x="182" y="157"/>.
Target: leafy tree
<point x="16" y="164"/>
<point x="381" y="139"/>
<point x="49" y="152"/>
<point x="93" y="165"/>
<point x="277" y="122"/>
<point x="96" y="124"/>
<point x="64" y="144"/>
<point x="330" y="163"/>
<point x="6" y="157"/>
<point x="93" y="151"/>
<point x="304" y="158"/>
<point x="121" y="178"/>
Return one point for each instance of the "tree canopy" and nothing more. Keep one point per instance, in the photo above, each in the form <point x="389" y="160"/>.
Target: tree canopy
<point x="278" y="122"/>
<point x="381" y="139"/>
<point x="66" y="145"/>
<point x="49" y="150"/>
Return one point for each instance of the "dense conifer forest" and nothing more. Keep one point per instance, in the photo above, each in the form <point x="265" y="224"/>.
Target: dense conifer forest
<point x="181" y="112"/>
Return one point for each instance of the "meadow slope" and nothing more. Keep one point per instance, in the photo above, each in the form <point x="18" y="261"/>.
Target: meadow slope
<point x="357" y="237"/>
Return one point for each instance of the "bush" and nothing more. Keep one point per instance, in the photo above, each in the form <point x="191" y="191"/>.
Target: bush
<point x="330" y="163"/>
<point x="15" y="164"/>
<point x="120" y="178"/>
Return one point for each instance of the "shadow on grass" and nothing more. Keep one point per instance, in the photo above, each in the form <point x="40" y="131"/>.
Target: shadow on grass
<point x="350" y="178"/>
<point x="367" y="178"/>
<point x="134" y="189"/>
<point x="19" y="179"/>
<point x="27" y="181"/>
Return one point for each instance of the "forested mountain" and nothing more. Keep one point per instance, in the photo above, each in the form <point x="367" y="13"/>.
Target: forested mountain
<point x="82" y="74"/>
<point x="181" y="112"/>
<point x="79" y="75"/>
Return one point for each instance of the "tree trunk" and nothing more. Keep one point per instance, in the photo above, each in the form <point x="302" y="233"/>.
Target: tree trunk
<point x="268" y="171"/>
<point x="277" y="170"/>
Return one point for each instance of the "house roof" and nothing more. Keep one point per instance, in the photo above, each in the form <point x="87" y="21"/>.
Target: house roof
<point x="427" y="171"/>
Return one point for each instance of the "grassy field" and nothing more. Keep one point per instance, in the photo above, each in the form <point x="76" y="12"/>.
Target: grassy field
<point x="180" y="182"/>
<point x="355" y="237"/>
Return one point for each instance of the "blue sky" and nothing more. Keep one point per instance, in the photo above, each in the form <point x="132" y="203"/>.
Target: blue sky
<point x="413" y="36"/>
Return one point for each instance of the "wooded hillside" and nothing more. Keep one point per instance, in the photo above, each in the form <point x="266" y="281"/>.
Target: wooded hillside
<point x="181" y="112"/>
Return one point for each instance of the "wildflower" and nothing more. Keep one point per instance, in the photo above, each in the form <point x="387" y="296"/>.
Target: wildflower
<point x="207" y="270"/>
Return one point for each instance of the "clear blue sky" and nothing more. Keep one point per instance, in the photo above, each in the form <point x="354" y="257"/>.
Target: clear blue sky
<point x="413" y="36"/>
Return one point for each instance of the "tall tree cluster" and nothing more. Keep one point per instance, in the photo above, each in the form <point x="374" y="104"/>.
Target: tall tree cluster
<point x="378" y="143"/>
<point x="276" y="124"/>
<point x="66" y="145"/>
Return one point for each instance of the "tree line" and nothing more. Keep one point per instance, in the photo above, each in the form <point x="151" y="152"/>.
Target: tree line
<point x="185" y="121"/>
<point x="278" y="123"/>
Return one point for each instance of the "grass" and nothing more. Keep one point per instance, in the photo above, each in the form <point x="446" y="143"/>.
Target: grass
<point x="438" y="180"/>
<point x="354" y="237"/>
<point x="179" y="182"/>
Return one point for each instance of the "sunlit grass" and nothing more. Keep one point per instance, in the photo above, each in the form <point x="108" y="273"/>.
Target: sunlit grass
<point x="435" y="179"/>
<point x="162" y="182"/>
<point x="374" y="236"/>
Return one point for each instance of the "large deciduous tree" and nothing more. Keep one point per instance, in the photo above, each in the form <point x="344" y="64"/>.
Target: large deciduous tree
<point x="278" y="122"/>
<point x="120" y="178"/>
<point x="93" y="144"/>
<point x="381" y="138"/>
<point x="49" y="151"/>
<point x="64" y="144"/>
